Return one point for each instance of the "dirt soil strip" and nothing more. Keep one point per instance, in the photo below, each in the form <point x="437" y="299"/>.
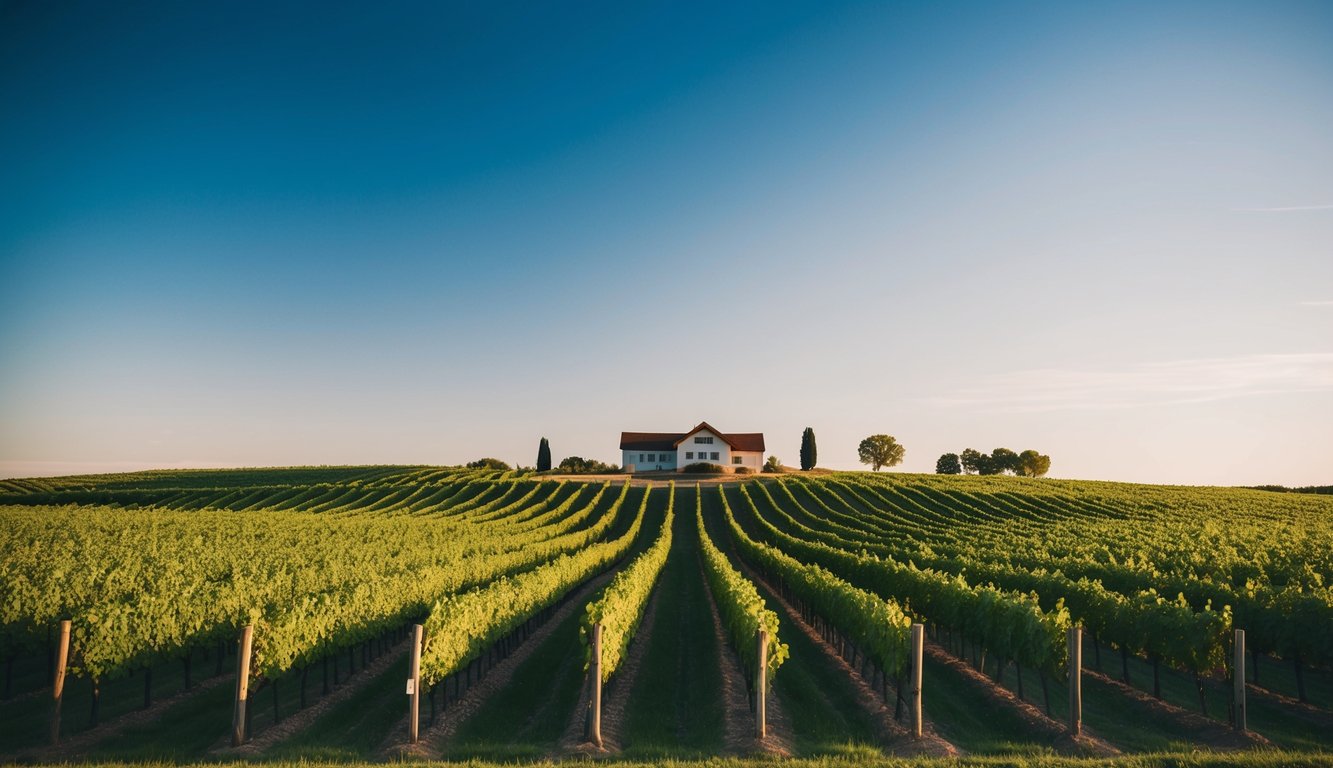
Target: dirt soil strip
<point x="740" y="737"/>
<point x="615" y="696"/>
<point x="298" y="722"/>
<point x="1317" y="716"/>
<point x="897" y="738"/>
<point x="74" y="746"/>
<point x="1037" y="720"/>
<point x="433" y="739"/>
<point x="1198" y="728"/>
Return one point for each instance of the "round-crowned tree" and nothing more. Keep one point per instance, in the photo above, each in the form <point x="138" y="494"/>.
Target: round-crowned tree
<point x="881" y="451"/>
<point x="949" y="464"/>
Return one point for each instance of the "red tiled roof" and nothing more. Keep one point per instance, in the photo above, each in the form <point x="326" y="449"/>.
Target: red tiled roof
<point x="746" y="441"/>
<point x="669" y="441"/>
<point x="649" y="441"/>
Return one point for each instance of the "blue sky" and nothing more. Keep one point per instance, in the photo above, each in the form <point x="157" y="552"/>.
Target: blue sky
<point x="238" y="235"/>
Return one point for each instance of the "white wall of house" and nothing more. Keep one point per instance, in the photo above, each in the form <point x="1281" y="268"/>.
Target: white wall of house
<point x="752" y="459"/>
<point x="648" y="461"/>
<point x="705" y="443"/>
<point x="698" y="446"/>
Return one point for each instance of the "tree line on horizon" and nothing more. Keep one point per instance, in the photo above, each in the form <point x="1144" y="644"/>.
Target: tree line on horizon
<point x="876" y="450"/>
<point x="1029" y="463"/>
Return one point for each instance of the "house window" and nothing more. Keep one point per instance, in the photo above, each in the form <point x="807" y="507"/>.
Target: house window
<point x="714" y="456"/>
<point x="735" y="459"/>
<point x="703" y="440"/>
<point x="641" y="457"/>
<point x="689" y="455"/>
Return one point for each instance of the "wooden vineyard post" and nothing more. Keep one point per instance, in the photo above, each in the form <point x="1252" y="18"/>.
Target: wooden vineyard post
<point x="414" y="686"/>
<point x="1076" y="681"/>
<point x="918" y="654"/>
<point x="1238" y="675"/>
<point x="595" y="671"/>
<point x="761" y="686"/>
<point x="238" y="716"/>
<point x="58" y="689"/>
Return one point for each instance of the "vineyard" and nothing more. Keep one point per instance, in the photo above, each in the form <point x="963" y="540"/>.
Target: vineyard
<point x="388" y="613"/>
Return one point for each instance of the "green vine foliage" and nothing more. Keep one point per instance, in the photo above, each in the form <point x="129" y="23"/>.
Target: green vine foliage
<point x="462" y="627"/>
<point x="620" y="606"/>
<point x="738" y="602"/>
<point x="1009" y="623"/>
<point x="878" y="626"/>
<point x="310" y="583"/>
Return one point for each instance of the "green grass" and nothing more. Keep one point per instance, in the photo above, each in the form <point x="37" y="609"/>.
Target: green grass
<point x="818" y="697"/>
<point x="675" y="708"/>
<point x="354" y="728"/>
<point x="526" y="718"/>
<point x="25" y="719"/>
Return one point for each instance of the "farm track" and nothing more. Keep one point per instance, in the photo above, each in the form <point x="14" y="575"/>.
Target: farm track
<point x="294" y="724"/>
<point x="740" y="738"/>
<point x="1316" y="716"/>
<point x="998" y="696"/>
<point x="897" y="739"/>
<point x="615" y="695"/>
<point x="1192" y="724"/>
<point x="434" y="739"/>
<point x="75" y="746"/>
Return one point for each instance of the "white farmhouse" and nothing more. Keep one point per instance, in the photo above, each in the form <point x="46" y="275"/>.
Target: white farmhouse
<point x="670" y="451"/>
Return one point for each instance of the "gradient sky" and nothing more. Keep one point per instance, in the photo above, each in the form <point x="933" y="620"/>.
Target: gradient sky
<point x="239" y="235"/>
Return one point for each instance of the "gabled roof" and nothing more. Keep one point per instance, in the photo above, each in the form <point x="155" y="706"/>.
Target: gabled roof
<point x="648" y="441"/>
<point x="705" y="425"/>
<point x="669" y="441"/>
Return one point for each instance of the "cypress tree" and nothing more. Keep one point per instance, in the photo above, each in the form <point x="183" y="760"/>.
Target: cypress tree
<point x="543" y="456"/>
<point x="809" y="454"/>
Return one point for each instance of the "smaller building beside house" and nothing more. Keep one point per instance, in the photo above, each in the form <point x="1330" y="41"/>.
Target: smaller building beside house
<point x="671" y="451"/>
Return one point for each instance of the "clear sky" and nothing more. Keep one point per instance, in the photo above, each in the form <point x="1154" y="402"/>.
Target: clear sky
<point x="234" y="234"/>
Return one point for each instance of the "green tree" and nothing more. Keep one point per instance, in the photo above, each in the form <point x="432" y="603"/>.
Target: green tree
<point x="487" y="463"/>
<point x="773" y="466"/>
<point x="1033" y="464"/>
<point x="1003" y="460"/>
<point x="949" y="464"/>
<point x="543" y="456"/>
<point x="809" y="454"/>
<point x="881" y="451"/>
<point x="974" y="462"/>
<point x="577" y="465"/>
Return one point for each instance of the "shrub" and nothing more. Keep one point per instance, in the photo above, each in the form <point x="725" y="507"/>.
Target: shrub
<point x="577" y="465"/>
<point x="743" y="471"/>
<point x="487" y="463"/>
<point x="773" y="466"/>
<point x="703" y="468"/>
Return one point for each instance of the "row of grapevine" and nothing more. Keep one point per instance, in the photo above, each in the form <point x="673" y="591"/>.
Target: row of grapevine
<point x="134" y="597"/>
<point x="1127" y="605"/>
<point x="620" y="606"/>
<point x="879" y="627"/>
<point x="1013" y="625"/>
<point x="1144" y="622"/>
<point x="462" y="627"/>
<point x="738" y="602"/>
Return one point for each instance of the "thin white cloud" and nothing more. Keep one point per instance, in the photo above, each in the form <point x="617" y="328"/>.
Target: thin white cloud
<point x="1328" y="207"/>
<point x="1317" y="303"/>
<point x="1146" y="384"/>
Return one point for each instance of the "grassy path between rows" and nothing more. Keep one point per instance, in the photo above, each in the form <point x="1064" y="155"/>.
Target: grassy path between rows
<point x="675" y="709"/>
<point x="825" y="712"/>
<point x="526" y="718"/>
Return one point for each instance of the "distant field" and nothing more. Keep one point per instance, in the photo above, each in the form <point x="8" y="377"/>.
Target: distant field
<point x="157" y="573"/>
